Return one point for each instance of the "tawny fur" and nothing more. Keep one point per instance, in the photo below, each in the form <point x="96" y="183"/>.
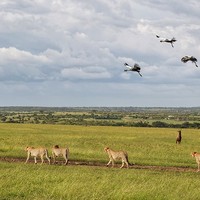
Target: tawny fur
<point x="57" y="151"/>
<point x="117" y="155"/>
<point x="197" y="157"/>
<point x="35" y="152"/>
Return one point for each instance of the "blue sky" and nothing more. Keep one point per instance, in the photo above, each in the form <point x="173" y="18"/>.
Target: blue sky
<point x="72" y="53"/>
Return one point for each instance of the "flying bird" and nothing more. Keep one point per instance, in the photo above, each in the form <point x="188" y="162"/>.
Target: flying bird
<point x="171" y="41"/>
<point x="135" y="68"/>
<point x="189" y="58"/>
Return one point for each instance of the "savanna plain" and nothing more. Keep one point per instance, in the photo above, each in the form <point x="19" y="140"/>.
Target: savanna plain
<point x="162" y="170"/>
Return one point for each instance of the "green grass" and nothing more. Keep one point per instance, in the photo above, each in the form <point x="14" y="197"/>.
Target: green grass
<point x="145" y="146"/>
<point x="20" y="181"/>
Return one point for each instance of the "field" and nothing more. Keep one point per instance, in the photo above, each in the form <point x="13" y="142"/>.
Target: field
<point x="162" y="170"/>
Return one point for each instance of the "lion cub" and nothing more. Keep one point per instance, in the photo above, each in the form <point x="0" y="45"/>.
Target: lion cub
<point x="57" y="151"/>
<point x="117" y="155"/>
<point x="197" y="156"/>
<point x="35" y="152"/>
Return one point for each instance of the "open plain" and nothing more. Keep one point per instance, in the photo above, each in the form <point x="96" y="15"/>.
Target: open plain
<point x="162" y="170"/>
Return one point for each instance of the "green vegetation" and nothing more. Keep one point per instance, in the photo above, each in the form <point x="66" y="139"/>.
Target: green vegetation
<point x="131" y="117"/>
<point x="145" y="146"/>
<point x="45" y="182"/>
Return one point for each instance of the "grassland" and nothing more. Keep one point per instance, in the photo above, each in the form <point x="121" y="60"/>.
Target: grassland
<point x="145" y="146"/>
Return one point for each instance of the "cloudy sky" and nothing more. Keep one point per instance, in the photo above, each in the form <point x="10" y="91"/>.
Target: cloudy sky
<point x="72" y="52"/>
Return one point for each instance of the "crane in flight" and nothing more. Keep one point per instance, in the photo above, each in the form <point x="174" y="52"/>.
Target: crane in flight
<point x="171" y="41"/>
<point x="134" y="68"/>
<point x="189" y="58"/>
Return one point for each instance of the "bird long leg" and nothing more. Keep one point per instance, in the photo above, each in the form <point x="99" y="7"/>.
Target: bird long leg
<point x="195" y="64"/>
<point x="140" y="74"/>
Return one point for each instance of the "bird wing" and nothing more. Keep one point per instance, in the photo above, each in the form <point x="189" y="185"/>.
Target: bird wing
<point x="173" y="39"/>
<point x="127" y="65"/>
<point x="161" y="38"/>
<point x="166" y="39"/>
<point x="185" y="59"/>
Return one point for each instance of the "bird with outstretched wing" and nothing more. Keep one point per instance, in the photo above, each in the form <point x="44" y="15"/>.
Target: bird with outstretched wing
<point x="185" y="59"/>
<point x="135" y="68"/>
<point x="171" y="41"/>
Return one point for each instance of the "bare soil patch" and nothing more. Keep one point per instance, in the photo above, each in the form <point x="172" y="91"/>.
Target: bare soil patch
<point x="99" y="164"/>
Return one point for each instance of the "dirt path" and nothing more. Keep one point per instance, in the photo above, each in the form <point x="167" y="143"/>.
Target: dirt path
<point x="99" y="164"/>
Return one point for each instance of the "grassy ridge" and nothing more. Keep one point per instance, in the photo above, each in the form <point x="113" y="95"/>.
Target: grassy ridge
<point x="146" y="146"/>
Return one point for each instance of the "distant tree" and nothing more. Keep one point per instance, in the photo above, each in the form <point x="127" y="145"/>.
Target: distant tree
<point x="3" y="119"/>
<point x="142" y="124"/>
<point x="159" y="124"/>
<point x="185" y="125"/>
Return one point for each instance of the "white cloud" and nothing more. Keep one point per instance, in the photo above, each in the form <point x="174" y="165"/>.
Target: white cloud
<point x="46" y="43"/>
<point x="21" y="65"/>
<point x="86" y="73"/>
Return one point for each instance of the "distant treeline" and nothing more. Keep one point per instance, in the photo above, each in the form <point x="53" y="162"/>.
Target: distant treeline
<point x="104" y="109"/>
<point x="151" y="117"/>
<point x="101" y="109"/>
<point x="158" y="124"/>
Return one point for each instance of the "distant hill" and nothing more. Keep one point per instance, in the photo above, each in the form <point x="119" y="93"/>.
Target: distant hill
<point x="105" y="109"/>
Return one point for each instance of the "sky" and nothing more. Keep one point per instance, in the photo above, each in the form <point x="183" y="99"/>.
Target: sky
<point x="71" y="53"/>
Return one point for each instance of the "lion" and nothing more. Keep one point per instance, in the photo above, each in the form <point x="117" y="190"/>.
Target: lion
<point x="117" y="155"/>
<point x="57" y="151"/>
<point x="35" y="152"/>
<point x="197" y="157"/>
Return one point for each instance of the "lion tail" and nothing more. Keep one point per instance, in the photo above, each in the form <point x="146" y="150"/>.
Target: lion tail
<point x="131" y="164"/>
<point x="67" y="149"/>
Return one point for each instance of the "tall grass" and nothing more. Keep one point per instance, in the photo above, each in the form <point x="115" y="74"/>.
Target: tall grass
<point x="20" y="181"/>
<point x="145" y="146"/>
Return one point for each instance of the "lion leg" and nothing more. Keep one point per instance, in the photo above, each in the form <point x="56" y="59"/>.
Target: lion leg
<point x="42" y="159"/>
<point x="122" y="164"/>
<point x="54" y="158"/>
<point x="127" y="164"/>
<point x="48" y="159"/>
<point x="109" y="163"/>
<point x="66" y="162"/>
<point x="35" y="159"/>
<point x="27" y="158"/>
<point x="66" y="159"/>
<point x="113" y="164"/>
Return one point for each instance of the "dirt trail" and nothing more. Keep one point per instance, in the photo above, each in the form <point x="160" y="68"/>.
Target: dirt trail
<point x="99" y="164"/>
